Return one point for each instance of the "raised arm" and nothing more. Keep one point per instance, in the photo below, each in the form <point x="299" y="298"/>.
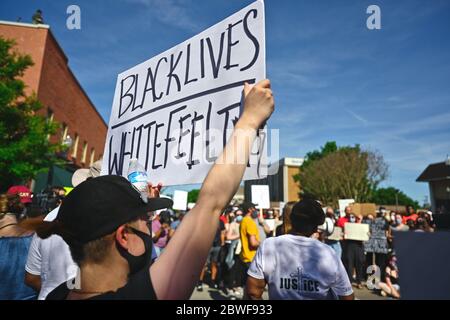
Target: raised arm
<point x="178" y="268"/>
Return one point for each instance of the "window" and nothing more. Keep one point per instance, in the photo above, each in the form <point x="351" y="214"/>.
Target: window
<point x="92" y="157"/>
<point x="75" y="146"/>
<point x="50" y="116"/>
<point x="64" y="131"/>
<point x="83" y="157"/>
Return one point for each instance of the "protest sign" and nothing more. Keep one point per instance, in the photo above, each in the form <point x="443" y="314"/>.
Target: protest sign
<point x="260" y="196"/>
<point x="363" y="209"/>
<point x="343" y="203"/>
<point x="180" y="200"/>
<point x="423" y="264"/>
<point x="378" y="239"/>
<point x="176" y="111"/>
<point x="270" y="223"/>
<point x="356" y="231"/>
<point x="337" y="234"/>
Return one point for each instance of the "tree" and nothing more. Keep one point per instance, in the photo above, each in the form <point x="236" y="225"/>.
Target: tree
<point x="315" y="155"/>
<point x="341" y="173"/>
<point x="24" y="145"/>
<point x="193" y="195"/>
<point x="392" y="196"/>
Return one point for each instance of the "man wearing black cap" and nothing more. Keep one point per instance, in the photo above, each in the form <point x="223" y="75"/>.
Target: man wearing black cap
<point x="296" y="266"/>
<point x="105" y="223"/>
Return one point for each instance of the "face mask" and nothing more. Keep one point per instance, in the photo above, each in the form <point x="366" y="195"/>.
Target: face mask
<point x="352" y="219"/>
<point x="399" y="220"/>
<point x="137" y="263"/>
<point x="239" y="218"/>
<point x="255" y="214"/>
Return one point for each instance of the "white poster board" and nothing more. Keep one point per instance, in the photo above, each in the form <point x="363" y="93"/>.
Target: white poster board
<point x="270" y="223"/>
<point x="176" y="111"/>
<point x="180" y="199"/>
<point x="261" y="196"/>
<point x="343" y="203"/>
<point x="356" y="231"/>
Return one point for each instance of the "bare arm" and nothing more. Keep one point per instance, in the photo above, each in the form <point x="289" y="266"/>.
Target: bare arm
<point x="349" y="297"/>
<point x="253" y="242"/>
<point x="230" y="235"/>
<point x="254" y="288"/>
<point x="265" y="226"/>
<point x="177" y="270"/>
<point x="33" y="281"/>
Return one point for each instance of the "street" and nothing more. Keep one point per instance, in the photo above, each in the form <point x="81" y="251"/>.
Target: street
<point x="215" y="294"/>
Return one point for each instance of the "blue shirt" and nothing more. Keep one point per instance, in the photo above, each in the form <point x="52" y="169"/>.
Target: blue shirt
<point x="14" y="252"/>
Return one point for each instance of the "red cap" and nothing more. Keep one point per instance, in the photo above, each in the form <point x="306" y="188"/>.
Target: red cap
<point x="23" y="192"/>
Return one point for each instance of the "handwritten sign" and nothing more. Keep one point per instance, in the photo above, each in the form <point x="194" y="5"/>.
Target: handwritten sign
<point x="356" y="231"/>
<point x="260" y="196"/>
<point x="176" y="111"/>
<point x="378" y="240"/>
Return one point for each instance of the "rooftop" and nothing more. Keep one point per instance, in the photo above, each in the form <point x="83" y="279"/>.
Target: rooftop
<point x="435" y="171"/>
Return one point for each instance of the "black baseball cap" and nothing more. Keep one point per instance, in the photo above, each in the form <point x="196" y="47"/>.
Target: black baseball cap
<point x="97" y="207"/>
<point x="247" y="206"/>
<point x="308" y="211"/>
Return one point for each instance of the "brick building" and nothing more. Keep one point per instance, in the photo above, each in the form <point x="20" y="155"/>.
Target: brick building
<point x="63" y="98"/>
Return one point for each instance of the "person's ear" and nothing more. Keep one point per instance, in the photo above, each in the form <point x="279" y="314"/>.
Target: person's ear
<point x="122" y="236"/>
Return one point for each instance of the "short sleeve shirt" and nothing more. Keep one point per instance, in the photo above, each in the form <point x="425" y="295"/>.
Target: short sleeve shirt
<point x="248" y="227"/>
<point x="300" y="268"/>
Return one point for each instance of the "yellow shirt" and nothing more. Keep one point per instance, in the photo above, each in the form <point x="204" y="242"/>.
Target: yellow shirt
<point x="248" y="227"/>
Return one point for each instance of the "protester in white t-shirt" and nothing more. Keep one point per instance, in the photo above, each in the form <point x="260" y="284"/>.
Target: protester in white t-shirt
<point x="296" y="266"/>
<point x="49" y="264"/>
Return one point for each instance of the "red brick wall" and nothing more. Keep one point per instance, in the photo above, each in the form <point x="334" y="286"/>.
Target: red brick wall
<point x="31" y="41"/>
<point x="58" y="89"/>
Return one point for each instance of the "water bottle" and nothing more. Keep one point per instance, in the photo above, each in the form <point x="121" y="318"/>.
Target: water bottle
<point x="138" y="178"/>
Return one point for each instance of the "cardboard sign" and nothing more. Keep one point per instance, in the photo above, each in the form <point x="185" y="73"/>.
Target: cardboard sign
<point x="337" y="234"/>
<point x="180" y="198"/>
<point x="423" y="264"/>
<point x="364" y="209"/>
<point x="356" y="231"/>
<point x="176" y="111"/>
<point x="261" y="196"/>
<point x="343" y="203"/>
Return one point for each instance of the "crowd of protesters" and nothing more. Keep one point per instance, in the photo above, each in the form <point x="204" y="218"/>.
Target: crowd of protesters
<point x="102" y="241"/>
<point x="379" y="251"/>
<point x="241" y="231"/>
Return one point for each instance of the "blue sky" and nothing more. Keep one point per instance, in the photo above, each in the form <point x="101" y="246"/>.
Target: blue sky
<point x="333" y="79"/>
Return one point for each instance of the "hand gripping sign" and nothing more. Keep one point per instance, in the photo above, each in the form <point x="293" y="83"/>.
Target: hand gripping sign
<point x="176" y="111"/>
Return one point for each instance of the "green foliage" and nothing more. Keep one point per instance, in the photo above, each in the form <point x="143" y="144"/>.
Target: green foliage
<point x="335" y="173"/>
<point x="193" y="195"/>
<point x="315" y="155"/>
<point x="24" y="147"/>
<point x="387" y="196"/>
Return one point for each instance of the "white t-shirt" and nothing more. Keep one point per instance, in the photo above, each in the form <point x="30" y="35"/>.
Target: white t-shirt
<point x="50" y="258"/>
<point x="300" y="268"/>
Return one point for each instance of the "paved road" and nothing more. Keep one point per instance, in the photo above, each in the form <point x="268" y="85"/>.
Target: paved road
<point x="214" y="294"/>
